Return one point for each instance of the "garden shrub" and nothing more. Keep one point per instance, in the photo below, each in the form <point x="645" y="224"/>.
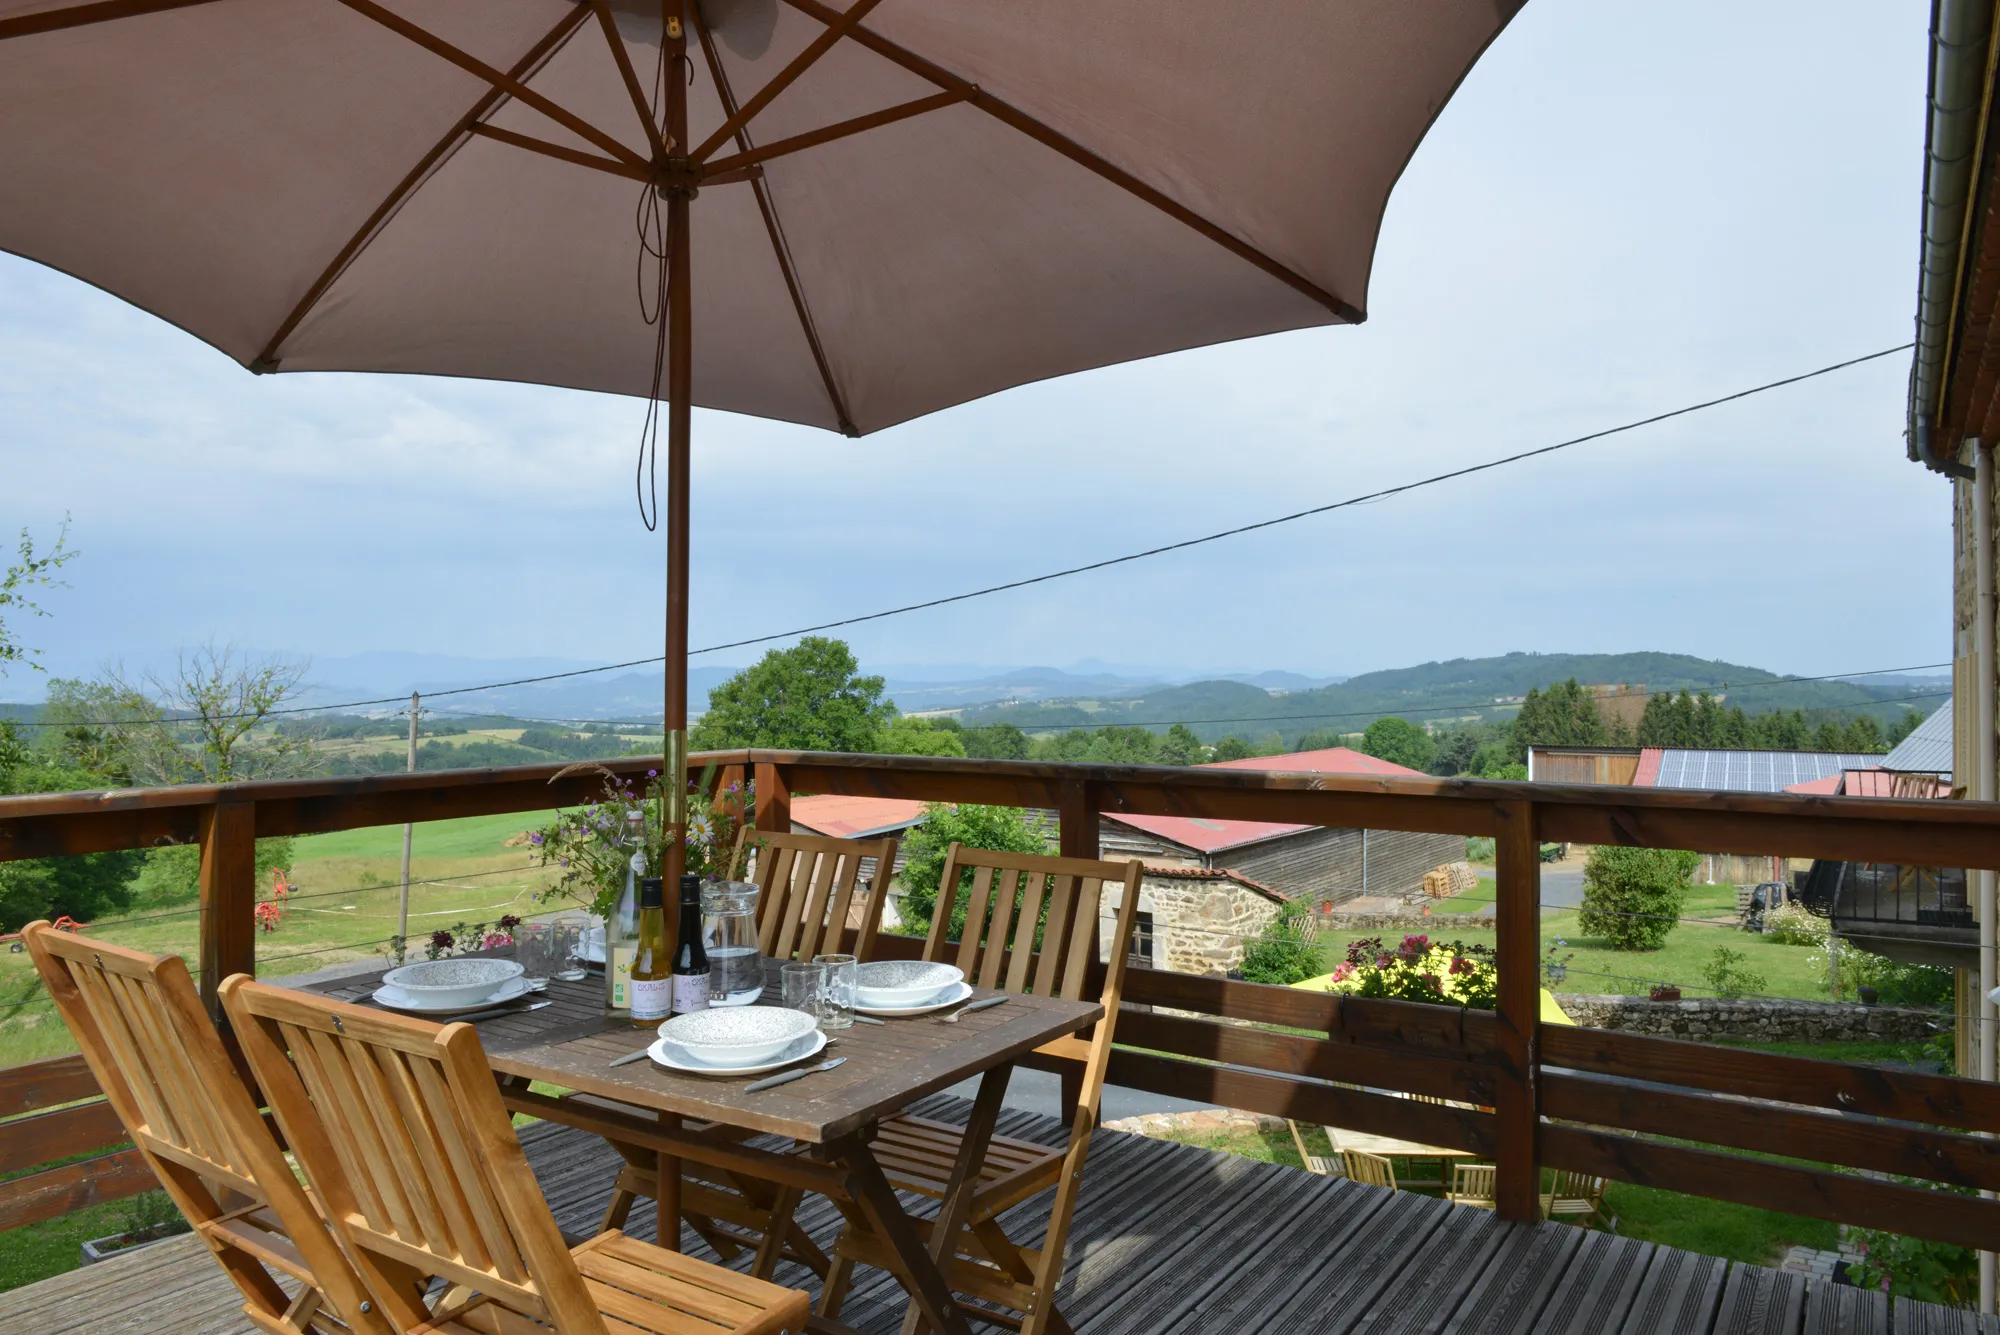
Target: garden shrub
<point x="1288" y="952"/>
<point x="1929" y="1272"/>
<point x="1447" y="973"/>
<point x="1794" y="925"/>
<point x="1001" y="829"/>
<point x="1632" y="897"/>
<point x="1479" y="848"/>
<point x="1726" y="976"/>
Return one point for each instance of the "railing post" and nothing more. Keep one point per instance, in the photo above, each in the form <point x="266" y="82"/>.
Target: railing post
<point x="228" y="897"/>
<point x="774" y="799"/>
<point x="1076" y="814"/>
<point x="1517" y="890"/>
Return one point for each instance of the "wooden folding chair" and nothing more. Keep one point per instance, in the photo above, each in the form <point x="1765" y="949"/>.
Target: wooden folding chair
<point x="1472" y="1184"/>
<point x="399" y="1125"/>
<point x="812" y="901"/>
<point x="1322" y="1164"/>
<point x="1013" y="899"/>
<point x="1370" y="1170"/>
<point x="163" y="1069"/>
<point x="1573" y="1195"/>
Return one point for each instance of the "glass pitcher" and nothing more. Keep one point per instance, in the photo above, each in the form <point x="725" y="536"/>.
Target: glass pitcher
<point x="729" y="932"/>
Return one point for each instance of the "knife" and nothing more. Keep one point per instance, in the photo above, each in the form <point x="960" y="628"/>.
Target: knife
<point x="772" y="1082"/>
<point x="964" y="1011"/>
<point x="498" y="1011"/>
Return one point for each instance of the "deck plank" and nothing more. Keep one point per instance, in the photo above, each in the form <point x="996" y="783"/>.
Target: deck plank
<point x="1428" y="1292"/>
<point x="1509" y="1297"/>
<point x="1915" y="1318"/>
<point x="1597" y="1290"/>
<point x="1759" y="1301"/>
<point x="1836" y="1309"/>
<point x="1678" y="1295"/>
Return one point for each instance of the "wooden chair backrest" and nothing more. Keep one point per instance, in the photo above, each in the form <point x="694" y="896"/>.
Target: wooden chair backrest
<point x="146" y="1038"/>
<point x="1012" y="896"/>
<point x="1570" y="1185"/>
<point x="1371" y="1170"/>
<point x="811" y="893"/>
<point x="1473" y="1180"/>
<point x="398" y="1123"/>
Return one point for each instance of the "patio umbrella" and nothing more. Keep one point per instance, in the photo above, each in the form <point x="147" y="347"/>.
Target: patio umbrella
<point x="845" y="215"/>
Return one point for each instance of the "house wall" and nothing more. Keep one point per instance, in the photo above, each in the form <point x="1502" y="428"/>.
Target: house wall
<point x="1324" y="867"/>
<point x="1199" y="924"/>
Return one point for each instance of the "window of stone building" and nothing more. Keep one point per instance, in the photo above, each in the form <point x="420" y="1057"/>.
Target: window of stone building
<point x="1140" y="953"/>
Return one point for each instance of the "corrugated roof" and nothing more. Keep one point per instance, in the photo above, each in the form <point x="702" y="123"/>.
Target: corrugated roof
<point x="1749" y="771"/>
<point x="841" y="817"/>
<point x="1212" y="836"/>
<point x="1928" y="749"/>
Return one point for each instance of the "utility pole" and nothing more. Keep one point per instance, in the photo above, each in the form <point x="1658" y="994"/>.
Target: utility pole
<point x="403" y="914"/>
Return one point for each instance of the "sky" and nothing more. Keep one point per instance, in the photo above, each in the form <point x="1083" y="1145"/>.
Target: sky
<point x="1626" y="208"/>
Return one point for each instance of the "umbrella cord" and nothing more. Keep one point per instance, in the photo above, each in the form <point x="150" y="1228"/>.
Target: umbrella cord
<point x="653" y="243"/>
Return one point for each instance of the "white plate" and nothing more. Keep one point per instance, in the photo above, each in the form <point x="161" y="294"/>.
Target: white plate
<point x="677" y="1058"/>
<point x="949" y="997"/>
<point x="396" y="999"/>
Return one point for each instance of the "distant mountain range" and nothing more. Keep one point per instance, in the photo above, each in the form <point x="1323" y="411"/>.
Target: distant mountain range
<point x="1460" y="690"/>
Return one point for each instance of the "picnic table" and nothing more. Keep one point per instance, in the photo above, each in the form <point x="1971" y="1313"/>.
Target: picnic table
<point x="571" y="1042"/>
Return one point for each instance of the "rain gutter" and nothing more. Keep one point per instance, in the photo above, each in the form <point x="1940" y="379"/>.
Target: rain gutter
<point x="1960" y="55"/>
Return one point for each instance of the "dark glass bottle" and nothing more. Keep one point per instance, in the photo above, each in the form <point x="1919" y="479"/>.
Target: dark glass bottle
<point x="690" y="957"/>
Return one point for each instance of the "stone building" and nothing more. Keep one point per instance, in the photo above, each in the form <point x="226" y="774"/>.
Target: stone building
<point x="1193" y="919"/>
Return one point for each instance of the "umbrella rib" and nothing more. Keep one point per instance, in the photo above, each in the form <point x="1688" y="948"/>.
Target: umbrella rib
<point x="778" y="148"/>
<point x="779" y="247"/>
<point x="79" y="16"/>
<point x="505" y="83"/>
<point x="267" y="359"/>
<point x="1083" y="157"/>
<point x="576" y="155"/>
<point x="838" y="24"/>
<point x="630" y="76"/>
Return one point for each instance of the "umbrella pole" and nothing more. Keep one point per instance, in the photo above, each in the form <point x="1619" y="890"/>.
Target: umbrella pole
<point x="680" y="377"/>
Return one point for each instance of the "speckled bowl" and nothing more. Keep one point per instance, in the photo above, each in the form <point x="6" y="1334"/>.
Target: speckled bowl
<point x="738" y="1035"/>
<point x="893" y="984"/>
<point x="446" y="983"/>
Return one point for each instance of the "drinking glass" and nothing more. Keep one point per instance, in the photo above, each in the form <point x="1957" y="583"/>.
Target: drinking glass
<point x="567" y="952"/>
<point x="534" y="944"/>
<point x="804" y="985"/>
<point x="837" y="987"/>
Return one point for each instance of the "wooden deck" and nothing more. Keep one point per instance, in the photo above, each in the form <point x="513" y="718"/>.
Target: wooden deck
<point x="1178" y="1241"/>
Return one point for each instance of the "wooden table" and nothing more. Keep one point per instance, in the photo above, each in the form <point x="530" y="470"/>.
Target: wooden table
<point x="571" y="1043"/>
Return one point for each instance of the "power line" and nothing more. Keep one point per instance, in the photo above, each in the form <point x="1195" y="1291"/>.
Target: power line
<point x="1238" y="531"/>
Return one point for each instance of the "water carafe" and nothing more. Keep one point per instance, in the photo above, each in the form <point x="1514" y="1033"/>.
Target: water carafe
<point x="729" y="931"/>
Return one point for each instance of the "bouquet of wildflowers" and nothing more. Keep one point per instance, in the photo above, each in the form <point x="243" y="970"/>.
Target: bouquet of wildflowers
<point x="1448" y="973"/>
<point x="588" y="845"/>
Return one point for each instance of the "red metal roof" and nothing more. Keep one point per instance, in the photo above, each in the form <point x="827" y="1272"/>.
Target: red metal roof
<point x="1213" y="836"/>
<point x="841" y="817"/>
<point x="1648" y="772"/>
<point x="1827" y="786"/>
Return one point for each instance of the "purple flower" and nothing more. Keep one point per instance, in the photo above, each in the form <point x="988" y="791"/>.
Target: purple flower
<point x="536" y="838"/>
<point x="652" y="774"/>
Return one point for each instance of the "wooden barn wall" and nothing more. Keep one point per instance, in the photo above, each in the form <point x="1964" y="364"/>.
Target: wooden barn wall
<point x="1324" y="866"/>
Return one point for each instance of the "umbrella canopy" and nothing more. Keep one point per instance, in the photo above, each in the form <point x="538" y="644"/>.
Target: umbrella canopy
<point x="865" y="211"/>
<point x="319" y="185"/>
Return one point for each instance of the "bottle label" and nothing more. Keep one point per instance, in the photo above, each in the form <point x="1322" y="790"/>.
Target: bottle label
<point x="690" y="992"/>
<point x="619" y="974"/>
<point x="652" y="998"/>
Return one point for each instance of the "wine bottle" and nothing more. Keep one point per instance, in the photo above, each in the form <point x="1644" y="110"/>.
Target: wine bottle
<point x="652" y="985"/>
<point x="621" y="928"/>
<point x="690" y="957"/>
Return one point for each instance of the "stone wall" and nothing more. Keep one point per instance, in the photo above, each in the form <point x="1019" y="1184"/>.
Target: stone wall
<point x="1771" y="1021"/>
<point x="1202" y="924"/>
<point x="1382" y="924"/>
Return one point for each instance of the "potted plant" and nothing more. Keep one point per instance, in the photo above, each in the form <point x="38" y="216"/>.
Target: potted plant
<point x="1664" y="992"/>
<point x="1868" y="995"/>
<point x="152" y="1217"/>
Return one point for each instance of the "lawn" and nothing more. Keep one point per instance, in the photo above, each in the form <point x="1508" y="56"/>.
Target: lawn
<point x="1788" y="971"/>
<point x="346" y="887"/>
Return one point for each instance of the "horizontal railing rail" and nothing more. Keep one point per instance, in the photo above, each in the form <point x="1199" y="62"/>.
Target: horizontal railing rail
<point x="30" y="1137"/>
<point x="1806" y="1136"/>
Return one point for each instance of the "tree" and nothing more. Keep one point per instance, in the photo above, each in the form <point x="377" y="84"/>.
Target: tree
<point x="1902" y="728"/>
<point x="1633" y="897"/>
<point x="205" y="722"/>
<point x="1400" y="742"/>
<point x="84" y="886"/>
<point x="31" y="570"/>
<point x="996" y="741"/>
<point x="1003" y="829"/>
<point x="810" y="697"/>
<point x="1233" y="747"/>
<point x="1181" y="746"/>
<point x="919" y="737"/>
<point x="1564" y="715"/>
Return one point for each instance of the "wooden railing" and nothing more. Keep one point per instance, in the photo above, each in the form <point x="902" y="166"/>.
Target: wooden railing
<point x="1652" y="1111"/>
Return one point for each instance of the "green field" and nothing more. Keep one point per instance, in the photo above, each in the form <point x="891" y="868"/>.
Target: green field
<point x="343" y="907"/>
